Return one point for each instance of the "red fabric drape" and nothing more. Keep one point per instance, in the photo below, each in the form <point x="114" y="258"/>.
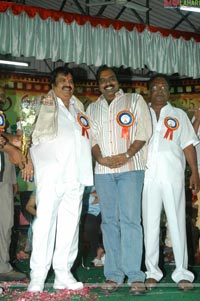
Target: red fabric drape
<point x="82" y="19"/>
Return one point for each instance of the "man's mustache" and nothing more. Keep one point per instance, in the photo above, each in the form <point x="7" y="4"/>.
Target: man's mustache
<point x="67" y="87"/>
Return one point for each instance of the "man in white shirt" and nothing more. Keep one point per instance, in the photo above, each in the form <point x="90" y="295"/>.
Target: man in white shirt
<point x="121" y="128"/>
<point x="61" y="156"/>
<point x="172" y="142"/>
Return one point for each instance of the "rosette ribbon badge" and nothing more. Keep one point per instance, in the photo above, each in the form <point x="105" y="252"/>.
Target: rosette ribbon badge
<point x="84" y="123"/>
<point x="172" y="125"/>
<point x="2" y="122"/>
<point x="125" y="119"/>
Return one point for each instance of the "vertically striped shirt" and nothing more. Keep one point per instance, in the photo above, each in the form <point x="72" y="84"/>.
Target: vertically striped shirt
<point x="107" y="132"/>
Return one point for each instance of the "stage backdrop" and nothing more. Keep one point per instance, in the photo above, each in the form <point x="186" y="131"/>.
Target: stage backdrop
<point x="184" y="93"/>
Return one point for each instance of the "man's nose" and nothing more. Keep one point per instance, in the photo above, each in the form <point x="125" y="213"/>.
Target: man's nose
<point x="107" y="81"/>
<point x="68" y="82"/>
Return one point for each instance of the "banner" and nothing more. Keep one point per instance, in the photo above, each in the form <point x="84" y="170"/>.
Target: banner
<point x="185" y="93"/>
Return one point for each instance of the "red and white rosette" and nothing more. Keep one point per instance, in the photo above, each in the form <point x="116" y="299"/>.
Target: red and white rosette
<point x="172" y="125"/>
<point x="2" y="121"/>
<point x="125" y="119"/>
<point x="84" y="123"/>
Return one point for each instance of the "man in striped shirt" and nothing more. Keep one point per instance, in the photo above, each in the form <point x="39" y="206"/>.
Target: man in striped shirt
<point x="121" y="128"/>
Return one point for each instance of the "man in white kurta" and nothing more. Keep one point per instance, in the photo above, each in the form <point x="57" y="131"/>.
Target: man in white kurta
<point x="62" y="166"/>
<point x="173" y="139"/>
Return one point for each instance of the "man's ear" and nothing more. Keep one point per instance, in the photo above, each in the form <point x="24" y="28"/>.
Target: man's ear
<point x="148" y="93"/>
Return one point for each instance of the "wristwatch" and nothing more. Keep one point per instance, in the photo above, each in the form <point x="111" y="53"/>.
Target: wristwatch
<point x="127" y="156"/>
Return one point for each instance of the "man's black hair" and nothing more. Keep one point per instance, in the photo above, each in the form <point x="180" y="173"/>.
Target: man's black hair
<point x="159" y="75"/>
<point x="2" y="103"/>
<point x="104" y="68"/>
<point x="60" y="70"/>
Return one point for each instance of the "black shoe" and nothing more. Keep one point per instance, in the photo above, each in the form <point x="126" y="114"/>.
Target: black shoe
<point x="12" y="276"/>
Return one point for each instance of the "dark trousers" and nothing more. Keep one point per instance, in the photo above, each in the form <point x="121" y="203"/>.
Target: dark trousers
<point x="91" y="228"/>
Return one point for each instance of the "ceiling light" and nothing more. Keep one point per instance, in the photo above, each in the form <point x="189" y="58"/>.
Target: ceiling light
<point x="15" y="63"/>
<point x="190" y="8"/>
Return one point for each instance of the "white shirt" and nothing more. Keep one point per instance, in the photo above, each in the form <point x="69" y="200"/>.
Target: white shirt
<point x="107" y="132"/>
<point x="69" y="154"/>
<point x="166" y="160"/>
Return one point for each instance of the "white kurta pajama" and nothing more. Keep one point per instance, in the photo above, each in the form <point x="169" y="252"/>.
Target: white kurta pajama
<point x="62" y="168"/>
<point x="164" y="185"/>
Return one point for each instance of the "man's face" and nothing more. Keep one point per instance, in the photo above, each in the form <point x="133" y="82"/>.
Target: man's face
<point x="108" y="84"/>
<point x="2" y="98"/>
<point x="159" y="91"/>
<point x="64" y="86"/>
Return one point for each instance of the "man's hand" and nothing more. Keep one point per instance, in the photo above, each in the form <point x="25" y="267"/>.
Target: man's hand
<point x="115" y="161"/>
<point x="94" y="194"/>
<point x="194" y="182"/>
<point x="13" y="139"/>
<point x="2" y="142"/>
<point x="27" y="171"/>
<point x="16" y="140"/>
<point x="15" y="155"/>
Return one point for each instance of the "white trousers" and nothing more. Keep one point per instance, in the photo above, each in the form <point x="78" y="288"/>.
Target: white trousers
<point x="172" y="196"/>
<point x="56" y="228"/>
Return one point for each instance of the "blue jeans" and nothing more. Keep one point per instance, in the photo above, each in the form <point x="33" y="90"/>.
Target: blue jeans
<point x="120" y="203"/>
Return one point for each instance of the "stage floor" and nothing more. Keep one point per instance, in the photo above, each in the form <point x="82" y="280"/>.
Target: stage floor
<point x="92" y="277"/>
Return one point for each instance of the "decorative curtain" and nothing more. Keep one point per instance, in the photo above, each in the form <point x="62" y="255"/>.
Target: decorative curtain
<point x="35" y="32"/>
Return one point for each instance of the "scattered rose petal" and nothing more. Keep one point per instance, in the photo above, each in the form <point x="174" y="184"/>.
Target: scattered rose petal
<point x="18" y="295"/>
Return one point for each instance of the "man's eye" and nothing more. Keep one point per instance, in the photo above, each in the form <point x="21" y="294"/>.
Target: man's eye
<point x="105" y="80"/>
<point x="156" y="88"/>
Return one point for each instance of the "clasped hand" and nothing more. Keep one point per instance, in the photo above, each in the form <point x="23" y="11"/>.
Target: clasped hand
<point x="115" y="161"/>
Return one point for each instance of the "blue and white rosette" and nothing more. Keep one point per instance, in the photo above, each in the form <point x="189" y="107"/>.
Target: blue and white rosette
<point x="84" y="123"/>
<point x="125" y="119"/>
<point x="2" y="121"/>
<point x="172" y="125"/>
